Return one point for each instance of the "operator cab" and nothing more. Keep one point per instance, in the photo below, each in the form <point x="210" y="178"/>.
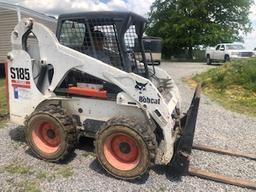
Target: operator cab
<point x="106" y="36"/>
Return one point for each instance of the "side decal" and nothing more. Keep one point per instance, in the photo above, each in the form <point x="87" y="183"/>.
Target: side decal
<point x="144" y="99"/>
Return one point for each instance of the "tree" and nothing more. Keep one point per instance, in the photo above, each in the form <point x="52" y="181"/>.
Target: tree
<point x="184" y="24"/>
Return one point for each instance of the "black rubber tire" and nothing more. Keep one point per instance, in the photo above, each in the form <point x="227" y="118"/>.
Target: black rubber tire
<point x="57" y="117"/>
<point x="208" y="60"/>
<point x="226" y="58"/>
<point x="144" y="136"/>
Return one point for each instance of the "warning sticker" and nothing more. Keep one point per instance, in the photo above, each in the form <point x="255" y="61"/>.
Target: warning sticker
<point x="21" y="93"/>
<point x="21" y="84"/>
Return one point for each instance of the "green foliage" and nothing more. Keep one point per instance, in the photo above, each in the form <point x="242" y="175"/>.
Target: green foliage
<point x="1" y="82"/>
<point x="238" y="73"/>
<point x="233" y="84"/>
<point x="3" y="104"/>
<point x="186" y="23"/>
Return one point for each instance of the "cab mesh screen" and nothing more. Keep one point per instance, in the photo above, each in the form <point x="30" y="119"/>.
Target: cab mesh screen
<point x="134" y="51"/>
<point x="95" y="37"/>
<point x="98" y="38"/>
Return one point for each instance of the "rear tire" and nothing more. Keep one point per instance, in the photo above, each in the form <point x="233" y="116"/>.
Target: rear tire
<point x="226" y="58"/>
<point x="126" y="148"/>
<point x="50" y="133"/>
<point x="208" y="60"/>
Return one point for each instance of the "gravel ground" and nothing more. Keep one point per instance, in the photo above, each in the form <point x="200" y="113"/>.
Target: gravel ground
<point x="21" y="171"/>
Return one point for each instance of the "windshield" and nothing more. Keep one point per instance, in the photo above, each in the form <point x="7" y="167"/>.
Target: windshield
<point x="235" y="47"/>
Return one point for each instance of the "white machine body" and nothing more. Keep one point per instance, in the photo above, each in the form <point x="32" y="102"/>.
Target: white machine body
<point x="25" y="97"/>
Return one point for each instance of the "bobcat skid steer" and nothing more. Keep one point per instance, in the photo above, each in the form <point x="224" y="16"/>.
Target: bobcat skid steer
<point x="92" y="80"/>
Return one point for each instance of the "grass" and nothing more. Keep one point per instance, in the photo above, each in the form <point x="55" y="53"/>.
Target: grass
<point x="3" y="104"/>
<point x="65" y="171"/>
<point x="29" y="186"/>
<point x="232" y="84"/>
<point x="30" y="179"/>
<point x="88" y="153"/>
<point x="42" y="175"/>
<point x="17" y="169"/>
<point x="2" y="124"/>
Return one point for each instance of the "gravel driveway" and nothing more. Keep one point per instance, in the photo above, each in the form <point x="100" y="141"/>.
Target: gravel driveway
<point x="20" y="171"/>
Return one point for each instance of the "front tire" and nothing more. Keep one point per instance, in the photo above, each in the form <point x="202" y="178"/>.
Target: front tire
<point x="126" y="148"/>
<point x="50" y="134"/>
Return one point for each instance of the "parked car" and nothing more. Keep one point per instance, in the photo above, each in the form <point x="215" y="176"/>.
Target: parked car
<point x="226" y="52"/>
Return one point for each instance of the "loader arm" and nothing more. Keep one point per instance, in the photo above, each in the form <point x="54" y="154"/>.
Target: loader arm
<point x="137" y="91"/>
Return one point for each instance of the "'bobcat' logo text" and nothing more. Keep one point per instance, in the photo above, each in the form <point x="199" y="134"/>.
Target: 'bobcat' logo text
<point x="144" y="99"/>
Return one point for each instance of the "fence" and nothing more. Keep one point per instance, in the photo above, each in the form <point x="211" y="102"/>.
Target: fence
<point x="198" y="55"/>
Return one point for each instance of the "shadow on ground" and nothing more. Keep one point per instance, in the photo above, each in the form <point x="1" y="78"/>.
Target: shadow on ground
<point x="18" y="134"/>
<point x="164" y="170"/>
<point x="96" y="166"/>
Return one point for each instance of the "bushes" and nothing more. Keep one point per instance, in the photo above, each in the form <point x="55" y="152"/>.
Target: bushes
<point x="233" y="85"/>
<point x="238" y="73"/>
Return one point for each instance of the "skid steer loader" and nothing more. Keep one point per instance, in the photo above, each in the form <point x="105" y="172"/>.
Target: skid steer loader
<point x="92" y="80"/>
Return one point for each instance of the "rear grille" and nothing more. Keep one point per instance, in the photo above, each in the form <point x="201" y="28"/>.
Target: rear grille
<point x="246" y="54"/>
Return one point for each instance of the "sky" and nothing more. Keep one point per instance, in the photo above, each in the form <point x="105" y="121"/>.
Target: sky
<point x="142" y="7"/>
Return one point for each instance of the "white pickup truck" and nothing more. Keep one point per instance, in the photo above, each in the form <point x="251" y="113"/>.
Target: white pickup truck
<point x="226" y="52"/>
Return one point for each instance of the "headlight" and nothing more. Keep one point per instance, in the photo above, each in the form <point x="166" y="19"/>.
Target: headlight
<point x="235" y="53"/>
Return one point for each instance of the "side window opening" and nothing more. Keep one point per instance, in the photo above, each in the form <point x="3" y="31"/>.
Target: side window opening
<point x="105" y="41"/>
<point x="97" y="38"/>
<point x="134" y="51"/>
<point x="73" y="34"/>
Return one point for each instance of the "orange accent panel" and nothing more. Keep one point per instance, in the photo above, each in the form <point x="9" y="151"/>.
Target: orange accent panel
<point x="88" y="92"/>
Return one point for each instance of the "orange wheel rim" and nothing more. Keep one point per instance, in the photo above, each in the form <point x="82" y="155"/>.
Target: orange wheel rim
<point x="46" y="137"/>
<point x="122" y="152"/>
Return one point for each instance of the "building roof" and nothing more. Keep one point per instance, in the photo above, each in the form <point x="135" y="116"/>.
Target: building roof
<point x="28" y="11"/>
